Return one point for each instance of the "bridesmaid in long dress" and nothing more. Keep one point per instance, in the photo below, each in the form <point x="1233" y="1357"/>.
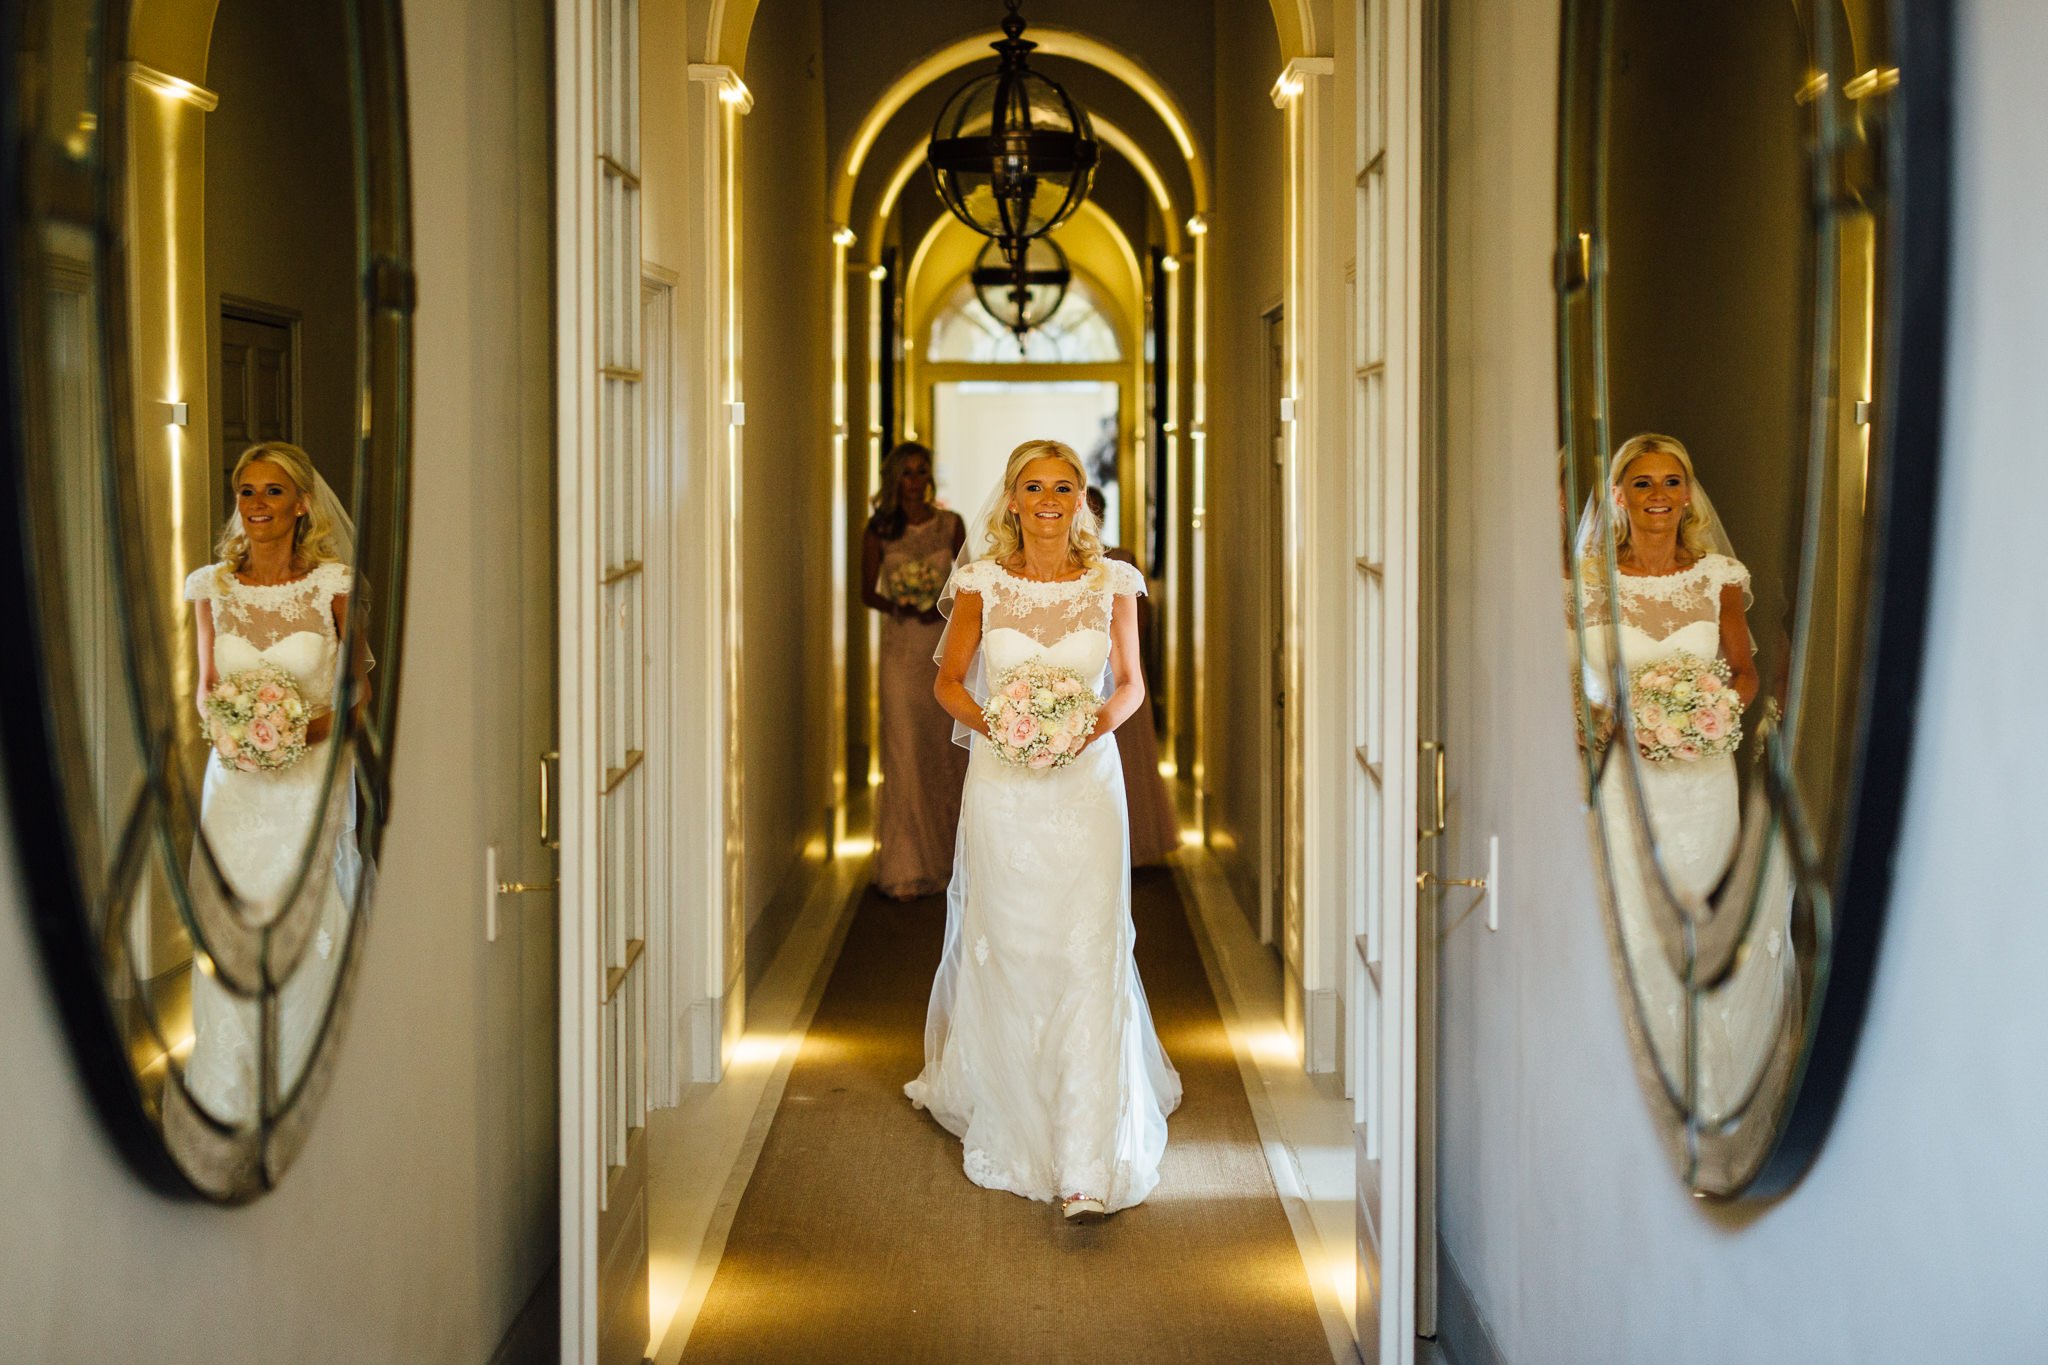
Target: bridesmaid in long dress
<point x="1155" y="830"/>
<point x="906" y="556"/>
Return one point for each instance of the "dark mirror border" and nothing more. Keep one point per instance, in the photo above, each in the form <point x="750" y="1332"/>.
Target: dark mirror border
<point x="1913" y="365"/>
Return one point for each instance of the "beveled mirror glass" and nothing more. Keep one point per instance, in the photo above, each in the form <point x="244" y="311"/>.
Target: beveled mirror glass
<point x="209" y="289"/>
<point x="1751" y="204"/>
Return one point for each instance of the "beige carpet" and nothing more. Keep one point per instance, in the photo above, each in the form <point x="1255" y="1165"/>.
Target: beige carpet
<point x="859" y="1239"/>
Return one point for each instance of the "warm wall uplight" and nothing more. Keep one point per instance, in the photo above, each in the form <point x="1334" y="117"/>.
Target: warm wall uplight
<point x="1287" y="87"/>
<point x="1875" y="81"/>
<point x="1170" y="264"/>
<point x="1191" y="837"/>
<point x="856" y="846"/>
<point x="1168" y="769"/>
<point x="879" y="273"/>
<point x="844" y="237"/>
<point x="1813" y="89"/>
<point x="172" y="87"/>
<point x="1197" y="225"/>
<point x="735" y="91"/>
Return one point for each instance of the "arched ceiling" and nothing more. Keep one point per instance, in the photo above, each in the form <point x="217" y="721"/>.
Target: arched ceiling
<point x="730" y="24"/>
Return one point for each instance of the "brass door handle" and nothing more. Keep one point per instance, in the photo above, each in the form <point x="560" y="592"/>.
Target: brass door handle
<point x="1423" y="879"/>
<point x="515" y="888"/>
<point x="549" y="838"/>
<point x="1440" y="805"/>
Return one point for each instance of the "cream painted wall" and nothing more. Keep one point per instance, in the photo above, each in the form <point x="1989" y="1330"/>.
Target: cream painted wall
<point x="1919" y="1234"/>
<point x="420" y="1216"/>
<point x="786" y="329"/>
<point x="280" y="223"/>
<point x="1247" y="271"/>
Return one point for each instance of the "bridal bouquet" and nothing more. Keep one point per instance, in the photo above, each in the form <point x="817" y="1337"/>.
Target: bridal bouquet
<point x="1684" y="709"/>
<point x="1039" y="715"/>
<point x="257" y="719"/>
<point x="914" y="583"/>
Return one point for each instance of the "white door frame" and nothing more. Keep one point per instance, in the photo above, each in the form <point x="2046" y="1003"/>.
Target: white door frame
<point x="1382" y="971"/>
<point x="711" y="942"/>
<point x="577" y="739"/>
<point x="669" y="525"/>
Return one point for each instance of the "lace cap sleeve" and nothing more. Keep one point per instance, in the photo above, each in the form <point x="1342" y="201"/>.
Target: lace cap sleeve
<point x="336" y="578"/>
<point x="975" y="576"/>
<point x="1731" y="573"/>
<point x="1124" y="579"/>
<point x="200" y="583"/>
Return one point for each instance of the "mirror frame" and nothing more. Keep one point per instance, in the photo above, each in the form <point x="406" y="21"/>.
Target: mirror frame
<point x="1911" y="362"/>
<point x="249" y="1162"/>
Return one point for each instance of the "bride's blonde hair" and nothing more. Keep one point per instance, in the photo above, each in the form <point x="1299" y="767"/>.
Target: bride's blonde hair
<point x="1693" y="535"/>
<point x="313" y="535"/>
<point x="1005" y="535"/>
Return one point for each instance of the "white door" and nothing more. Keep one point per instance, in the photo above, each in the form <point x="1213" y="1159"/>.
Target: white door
<point x="1393" y="780"/>
<point x="600" y="492"/>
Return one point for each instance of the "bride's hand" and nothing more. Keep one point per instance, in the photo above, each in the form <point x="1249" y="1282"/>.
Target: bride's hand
<point x="318" y="728"/>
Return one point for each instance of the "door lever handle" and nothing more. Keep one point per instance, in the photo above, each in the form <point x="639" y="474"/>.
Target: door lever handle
<point x="1423" y="879"/>
<point x="550" y="837"/>
<point x="1439" y="791"/>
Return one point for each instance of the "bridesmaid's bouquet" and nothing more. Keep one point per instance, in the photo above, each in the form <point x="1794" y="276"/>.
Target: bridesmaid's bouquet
<point x="1684" y="709"/>
<point x="1039" y="715"/>
<point x="257" y="720"/>
<point x="914" y="583"/>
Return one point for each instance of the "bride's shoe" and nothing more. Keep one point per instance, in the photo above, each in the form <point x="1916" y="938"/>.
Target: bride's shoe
<point x="1082" y="1208"/>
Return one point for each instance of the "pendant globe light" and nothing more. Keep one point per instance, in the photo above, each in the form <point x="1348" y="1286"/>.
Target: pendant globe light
<point x="1025" y="294"/>
<point x="1011" y="153"/>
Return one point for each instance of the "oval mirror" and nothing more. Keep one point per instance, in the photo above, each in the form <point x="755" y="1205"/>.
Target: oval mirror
<point x="1751" y="218"/>
<point x="208" y="276"/>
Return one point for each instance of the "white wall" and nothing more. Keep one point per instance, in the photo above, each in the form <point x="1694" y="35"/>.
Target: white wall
<point x="420" y="1216"/>
<point x="1248" y="262"/>
<point x="1920" y="1235"/>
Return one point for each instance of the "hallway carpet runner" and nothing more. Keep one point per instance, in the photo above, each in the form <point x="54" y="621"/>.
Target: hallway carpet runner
<point x="859" y="1239"/>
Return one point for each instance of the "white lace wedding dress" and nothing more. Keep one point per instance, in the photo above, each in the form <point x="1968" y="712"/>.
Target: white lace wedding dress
<point x="1695" y="824"/>
<point x="1040" y="1052"/>
<point x="261" y="825"/>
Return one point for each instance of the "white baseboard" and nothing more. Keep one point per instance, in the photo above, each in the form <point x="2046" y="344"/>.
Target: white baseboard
<point x="1325" y="1043"/>
<point x="1461" y="1332"/>
<point x="702" y="1038"/>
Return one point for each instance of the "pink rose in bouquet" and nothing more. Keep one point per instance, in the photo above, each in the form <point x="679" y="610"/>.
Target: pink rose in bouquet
<point x="1040" y="715"/>
<point x="1684" y="709"/>
<point x="256" y="719"/>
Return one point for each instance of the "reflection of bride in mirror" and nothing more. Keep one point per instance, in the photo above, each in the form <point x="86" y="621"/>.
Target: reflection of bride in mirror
<point x="277" y="599"/>
<point x="1681" y="627"/>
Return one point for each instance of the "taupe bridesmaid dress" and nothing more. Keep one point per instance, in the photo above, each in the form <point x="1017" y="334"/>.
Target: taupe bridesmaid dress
<point x="1155" y="827"/>
<point x="922" y="769"/>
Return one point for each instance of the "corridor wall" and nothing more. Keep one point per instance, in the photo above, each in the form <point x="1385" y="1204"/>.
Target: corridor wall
<point x="1247" y="269"/>
<point x="1918" y="1235"/>
<point x="420" y="1217"/>
<point x="786" y="322"/>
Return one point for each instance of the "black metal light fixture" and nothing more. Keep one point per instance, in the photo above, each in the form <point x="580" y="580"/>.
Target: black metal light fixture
<point x="1025" y="294"/>
<point x="1011" y="152"/>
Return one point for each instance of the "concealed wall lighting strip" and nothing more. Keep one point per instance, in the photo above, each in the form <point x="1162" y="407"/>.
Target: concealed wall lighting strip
<point x="177" y="87"/>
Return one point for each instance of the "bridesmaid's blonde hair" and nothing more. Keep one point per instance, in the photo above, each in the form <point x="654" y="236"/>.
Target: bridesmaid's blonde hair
<point x="313" y="539"/>
<point x="1692" y="525"/>
<point x="1005" y="535"/>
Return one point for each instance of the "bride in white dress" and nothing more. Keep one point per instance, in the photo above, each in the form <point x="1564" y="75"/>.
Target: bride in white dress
<point x="1040" y="1052"/>
<point x="1682" y="591"/>
<point x="279" y="595"/>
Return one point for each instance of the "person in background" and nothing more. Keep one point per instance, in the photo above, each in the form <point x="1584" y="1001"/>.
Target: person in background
<point x="1155" y="830"/>
<point x="906" y="554"/>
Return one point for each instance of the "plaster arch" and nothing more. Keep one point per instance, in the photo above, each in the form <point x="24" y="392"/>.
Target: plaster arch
<point x="1096" y="247"/>
<point x="1056" y="42"/>
<point x="730" y="28"/>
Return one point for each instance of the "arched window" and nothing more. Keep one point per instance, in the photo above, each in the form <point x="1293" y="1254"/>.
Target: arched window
<point x="1079" y="333"/>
